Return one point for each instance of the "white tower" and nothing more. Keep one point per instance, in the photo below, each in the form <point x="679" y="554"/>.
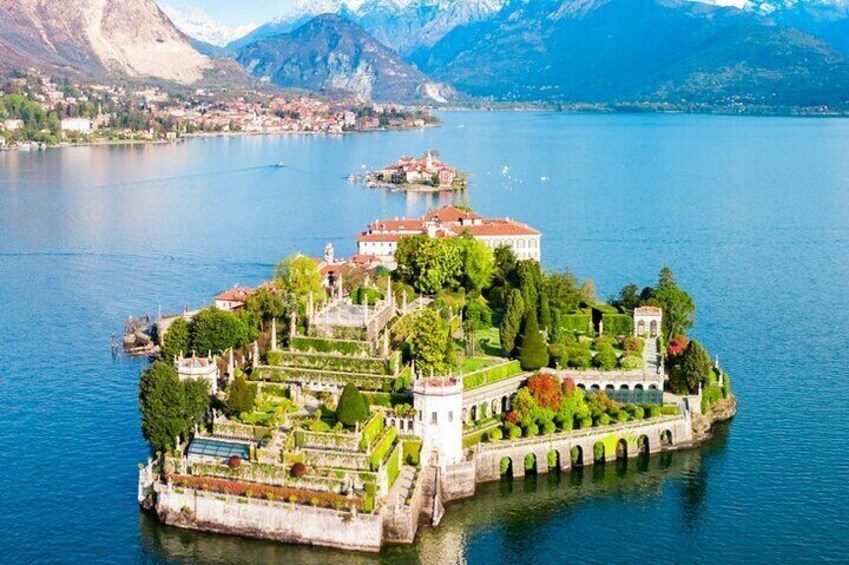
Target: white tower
<point x="439" y="404"/>
<point x="329" y="255"/>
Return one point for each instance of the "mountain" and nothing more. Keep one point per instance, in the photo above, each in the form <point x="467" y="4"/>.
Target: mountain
<point x="334" y="55"/>
<point x="403" y="25"/>
<point x="197" y="24"/>
<point x="666" y="51"/>
<point x="94" y="37"/>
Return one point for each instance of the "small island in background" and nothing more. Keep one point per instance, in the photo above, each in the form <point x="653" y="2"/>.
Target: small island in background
<point x="426" y="174"/>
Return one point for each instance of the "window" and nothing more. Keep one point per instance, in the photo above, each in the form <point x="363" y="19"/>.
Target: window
<point x="420" y="415"/>
<point x="450" y="417"/>
<point x="433" y="417"/>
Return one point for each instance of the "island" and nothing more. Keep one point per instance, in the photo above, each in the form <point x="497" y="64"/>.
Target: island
<point x="343" y="403"/>
<point x="425" y="174"/>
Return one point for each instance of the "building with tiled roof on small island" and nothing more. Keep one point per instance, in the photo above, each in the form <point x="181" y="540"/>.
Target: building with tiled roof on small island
<point x="427" y="173"/>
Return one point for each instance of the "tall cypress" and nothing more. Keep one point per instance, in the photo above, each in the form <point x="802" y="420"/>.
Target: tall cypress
<point x="512" y="322"/>
<point x="533" y="353"/>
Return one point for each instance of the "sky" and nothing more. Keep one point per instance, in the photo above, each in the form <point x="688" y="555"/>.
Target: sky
<point x="234" y="13"/>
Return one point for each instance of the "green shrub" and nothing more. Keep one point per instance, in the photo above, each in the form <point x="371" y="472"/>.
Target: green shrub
<point x="633" y="344"/>
<point x="513" y="431"/>
<point x="382" y="447"/>
<point x="618" y="324"/>
<point x="669" y="409"/>
<point x="532" y="430"/>
<point x="605" y="359"/>
<point x="495" y="434"/>
<point x="492" y="375"/>
<point x="352" y="407"/>
<point x="504" y="465"/>
<point x="603" y="341"/>
<point x="548" y="428"/>
<point x="630" y="362"/>
<point x="530" y="462"/>
<point x="579" y="357"/>
<point x="603" y="420"/>
<point x="623" y="416"/>
<point x="638" y="413"/>
<point x="586" y="422"/>
<point x="371" y="430"/>
<point x="598" y="452"/>
<point x="552" y="459"/>
<point x="654" y="411"/>
<point x="319" y="345"/>
<point x="412" y="451"/>
<point x="576" y="323"/>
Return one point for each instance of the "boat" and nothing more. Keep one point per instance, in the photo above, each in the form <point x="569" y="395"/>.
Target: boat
<point x="280" y="165"/>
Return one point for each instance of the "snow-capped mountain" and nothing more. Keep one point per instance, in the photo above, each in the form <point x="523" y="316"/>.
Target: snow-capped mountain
<point x="197" y="24"/>
<point x="402" y="25"/>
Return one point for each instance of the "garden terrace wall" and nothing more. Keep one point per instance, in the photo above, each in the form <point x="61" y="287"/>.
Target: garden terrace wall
<point x="327" y="378"/>
<point x="337" y="459"/>
<point x="327" y="345"/>
<point x="332" y="362"/>
<point x="235" y="430"/>
<point x="341" y="441"/>
<point x="279" y="521"/>
<point x="268" y="474"/>
<point x="492" y="375"/>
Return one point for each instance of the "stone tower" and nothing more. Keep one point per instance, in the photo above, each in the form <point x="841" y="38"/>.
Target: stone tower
<point x="439" y="404"/>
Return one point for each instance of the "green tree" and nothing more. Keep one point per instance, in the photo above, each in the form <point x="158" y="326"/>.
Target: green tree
<point x="512" y="322"/>
<point x="505" y="263"/>
<point x="162" y="404"/>
<point x="533" y="351"/>
<point x="588" y="292"/>
<point x="544" y="311"/>
<point x="478" y="263"/>
<point x="352" y="408"/>
<point x="563" y="291"/>
<point x="196" y="401"/>
<point x="299" y="275"/>
<point x="429" y="341"/>
<point x="241" y="395"/>
<point x="629" y="297"/>
<point x="176" y="339"/>
<point x="430" y="265"/>
<point x="530" y="282"/>
<point x="266" y="305"/>
<point x="693" y="369"/>
<point x="216" y="331"/>
<point x="679" y="310"/>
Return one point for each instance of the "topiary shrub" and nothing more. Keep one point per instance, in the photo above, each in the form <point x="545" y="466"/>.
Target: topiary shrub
<point x="548" y="428"/>
<point x="579" y="357"/>
<point x="605" y="359"/>
<point x="533" y="352"/>
<point x="352" y="408"/>
<point x="532" y="430"/>
<point x="494" y="435"/>
<point x="630" y="362"/>
<point x="234" y="462"/>
<point x="298" y="470"/>
<point x="634" y="345"/>
<point x="513" y="431"/>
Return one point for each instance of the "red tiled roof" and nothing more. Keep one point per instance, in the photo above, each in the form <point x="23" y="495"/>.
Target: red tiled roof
<point x="380" y="236"/>
<point x="500" y="227"/>
<point x="451" y="214"/>
<point x="403" y="224"/>
<point x="236" y="294"/>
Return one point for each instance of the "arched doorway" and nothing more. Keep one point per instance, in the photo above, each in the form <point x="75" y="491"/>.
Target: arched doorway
<point x="553" y="460"/>
<point x="652" y="387"/>
<point x="474" y="413"/>
<point x="641" y="328"/>
<point x="598" y="452"/>
<point x="504" y="403"/>
<point x="638" y="387"/>
<point x="666" y="438"/>
<point x="653" y="328"/>
<point x="506" y="466"/>
<point x="595" y="387"/>
<point x="623" y="387"/>
<point x="610" y="387"/>
<point x="495" y="407"/>
<point x="643" y="445"/>
<point x="582" y="386"/>
<point x="622" y="449"/>
<point x="530" y="463"/>
<point x="577" y="456"/>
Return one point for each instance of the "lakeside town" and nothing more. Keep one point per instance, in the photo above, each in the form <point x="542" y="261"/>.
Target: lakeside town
<point x="347" y="401"/>
<point x="38" y="111"/>
<point x="425" y="174"/>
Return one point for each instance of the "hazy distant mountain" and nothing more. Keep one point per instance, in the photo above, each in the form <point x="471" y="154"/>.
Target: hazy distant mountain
<point x="331" y="54"/>
<point x="638" y="50"/>
<point x="131" y="37"/>
<point x="403" y="25"/>
<point x="197" y="24"/>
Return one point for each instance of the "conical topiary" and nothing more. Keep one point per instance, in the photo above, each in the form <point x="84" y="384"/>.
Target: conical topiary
<point x="533" y="353"/>
<point x="352" y="407"/>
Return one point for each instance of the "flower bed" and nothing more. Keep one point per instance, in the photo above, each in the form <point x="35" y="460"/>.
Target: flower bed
<point x="269" y="492"/>
<point x="492" y="375"/>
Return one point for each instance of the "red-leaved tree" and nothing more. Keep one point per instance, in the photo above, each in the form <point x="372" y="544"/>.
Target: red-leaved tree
<point x="545" y="388"/>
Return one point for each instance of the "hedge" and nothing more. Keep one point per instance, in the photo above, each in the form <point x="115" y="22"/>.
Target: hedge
<point x="710" y="395"/>
<point x="618" y="324"/>
<point x="320" y="345"/>
<point x="330" y="362"/>
<point x="669" y="410"/>
<point x="371" y="430"/>
<point x="492" y="375"/>
<point x="576" y="323"/>
<point x="393" y="468"/>
<point x="387" y="399"/>
<point x="292" y="374"/>
<point x="382" y="447"/>
<point x="412" y="451"/>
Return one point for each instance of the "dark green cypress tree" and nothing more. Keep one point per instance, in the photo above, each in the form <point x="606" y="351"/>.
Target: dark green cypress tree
<point x="533" y="352"/>
<point x="512" y="322"/>
<point x="352" y="407"/>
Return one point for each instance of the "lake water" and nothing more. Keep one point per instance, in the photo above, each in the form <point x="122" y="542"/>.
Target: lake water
<point x="751" y="213"/>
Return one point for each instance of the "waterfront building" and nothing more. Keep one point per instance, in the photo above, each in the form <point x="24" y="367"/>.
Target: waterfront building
<point x="382" y="236"/>
<point x="234" y="298"/>
<point x="204" y="368"/>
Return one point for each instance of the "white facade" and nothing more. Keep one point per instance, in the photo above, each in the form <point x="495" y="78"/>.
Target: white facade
<point x="78" y="125"/>
<point x="204" y="368"/>
<point x="648" y="321"/>
<point x="438" y="402"/>
<point x="524" y="246"/>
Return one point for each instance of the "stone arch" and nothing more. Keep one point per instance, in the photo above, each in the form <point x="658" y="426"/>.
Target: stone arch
<point x="623" y="387"/>
<point x="582" y="386"/>
<point x="643" y="447"/>
<point x="495" y="404"/>
<point x="610" y="387"/>
<point x="577" y="456"/>
<point x="641" y="328"/>
<point x="666" y="438"/>
<point x="530" y="463"/>
<point x="598" y="452"/>
<point x="622" y="449"/>
<point x="505" y="403"/>
<point x="553" y="460"/>
<point x="595" y="387"/>
<point x="653" y="328"/>
<point x="474" y="413"/>
<point x="652" y="387"/>
<point x="506" y="467"/>
<point x="638" y="386"/>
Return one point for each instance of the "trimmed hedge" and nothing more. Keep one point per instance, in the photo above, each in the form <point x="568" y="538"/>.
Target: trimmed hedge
<point x="320" y="345"/>
<point x="412" y="451"/>
<point x="393" y="467"/>
<point x="371" y="430"/>
<point x="331" y="362"/>
<point x="292" y="374"/>
<point x="382" y="447"/>
<point x="576" y="323"/>
<point x="618" y="324"/>
<point x="492" y="374"/>
<point x="387" y="399"/>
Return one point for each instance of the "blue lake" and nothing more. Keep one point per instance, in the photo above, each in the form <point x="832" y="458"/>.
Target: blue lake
<point x="751" y="213"/>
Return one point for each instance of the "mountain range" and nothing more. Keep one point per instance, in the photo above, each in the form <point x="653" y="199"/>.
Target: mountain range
<point x="682" y="53"/>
